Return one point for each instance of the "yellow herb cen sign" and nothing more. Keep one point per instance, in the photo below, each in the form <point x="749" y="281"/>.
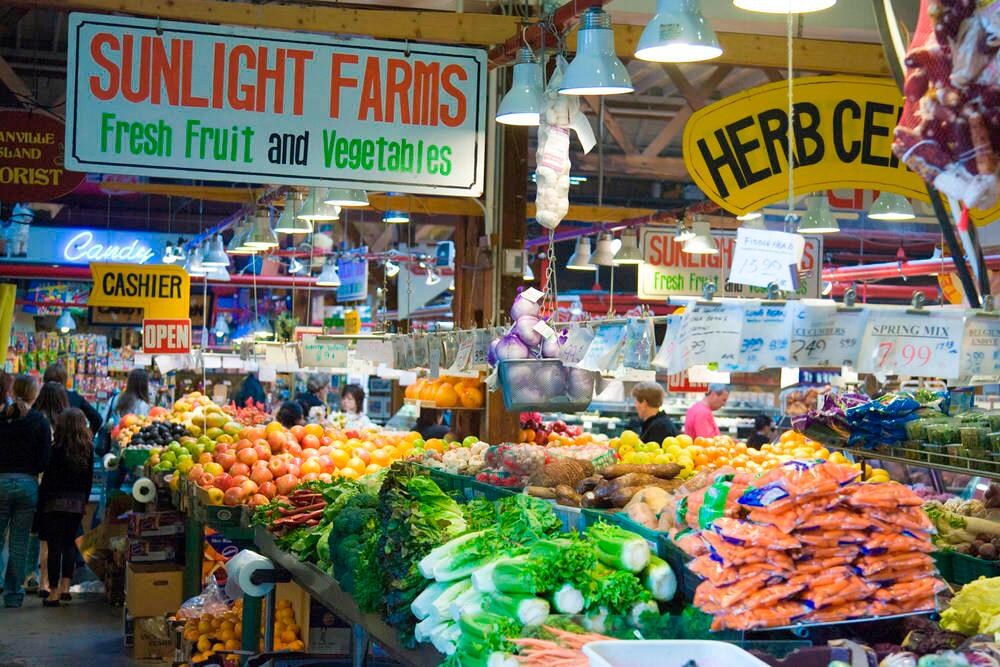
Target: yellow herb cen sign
<point x="163" y="291"/>
<point x="736" y="149"/>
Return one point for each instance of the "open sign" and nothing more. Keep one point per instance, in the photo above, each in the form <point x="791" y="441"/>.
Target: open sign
<point x="166" y="336"/>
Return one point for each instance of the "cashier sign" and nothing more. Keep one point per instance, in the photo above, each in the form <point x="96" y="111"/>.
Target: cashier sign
<point x="736" y="150"/>
<point x="188" y="100"/>
<point x="163" y="292"/>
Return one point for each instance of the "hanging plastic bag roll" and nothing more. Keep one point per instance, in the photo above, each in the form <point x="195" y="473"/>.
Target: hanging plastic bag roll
<point x="241" y="568"/>
<point x="144" y="490"/>
<point x="110" y="461"/>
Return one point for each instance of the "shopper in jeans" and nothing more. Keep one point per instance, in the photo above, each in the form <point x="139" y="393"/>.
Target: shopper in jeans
<point x="25" y="444"/>
<point x="62" y="499"/>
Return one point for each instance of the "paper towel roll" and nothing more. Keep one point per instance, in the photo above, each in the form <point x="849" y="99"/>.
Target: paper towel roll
<point x="110" y="461"/>
<point x="144" y="490"/>
<point x="241" y="568"/>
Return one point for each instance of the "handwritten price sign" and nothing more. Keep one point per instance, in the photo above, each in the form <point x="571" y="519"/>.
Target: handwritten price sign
<point x="708" y="334"/>
<point x="981" y="346"/>
<point x="823" y="336"/>
<point x="905" y="343"/>
<point x="763" y="257"/>
<point x="766" y="336"/>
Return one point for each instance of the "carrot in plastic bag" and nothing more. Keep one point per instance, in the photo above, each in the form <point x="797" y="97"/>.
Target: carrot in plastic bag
<point x="888" y="495"/>
<point x="827" y="539"/>
<point x="708" y="595"/>
<point x="889" y="608"/>
<point x="783" y="613"/>
<point x="880" y="543"/>
<point x="840" y="612"/>
<point x="908" y="518"/>
<point x="847" y="551"/>
<point x="893" y="575"/>
<point x="910" y="590"/>
<point x="850" y="589"/>
<point x="765" y="597"/>
<point x="786" y="516"/>
<point x="817" y="565"/>
<point x="732" y="555"/>
<point x="868" y="565"/>
<point x="823" y="578"/>
<point x="744" y="533"/>
<point x="839" y="519"/>
<point x="690" y="542"/>
<point x="713" y="571"/>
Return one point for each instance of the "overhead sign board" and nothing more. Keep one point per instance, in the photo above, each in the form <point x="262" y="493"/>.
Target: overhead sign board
<point x="31" y="158"/>
<point x="736" y="149"/>
<point x="667" y="271"/>
<point x="166" y="336"/>
<point x="353" y="279"/>
<point x="163" y="291"/>
<point x="188" y="100"/>
<point x="81" y="246"/>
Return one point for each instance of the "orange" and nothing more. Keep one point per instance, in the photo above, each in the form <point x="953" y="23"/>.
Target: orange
<point x="372" y="468"/>
<point x="428" y="392"/>
<point x="310" y="441"/>
<point x="380" y="457"/>
<point x="472" y="397"/>
<point x="349" y="473"/>
<point x="273" y="427"/>
<point x="413" y="391"/>
<point x="298" y="431"/>
<point x="339" y="457"/>
<point x="446" y="396"/>
<point x="288" y="636"/>
<point x="436" y="444"/>
<point x="314" y="430"/>
<point x="356" y="463"/>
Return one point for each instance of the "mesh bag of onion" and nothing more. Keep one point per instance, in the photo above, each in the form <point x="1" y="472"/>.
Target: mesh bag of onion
<point x="543" y="385"/>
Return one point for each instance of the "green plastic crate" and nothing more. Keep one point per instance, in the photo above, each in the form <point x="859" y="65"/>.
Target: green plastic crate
<point x="473" y="489"/>
<point x="448" y="482"/>
<point x="943" y="563"/>
<point x="965" y="568"/>
<point x="132" y="458"/>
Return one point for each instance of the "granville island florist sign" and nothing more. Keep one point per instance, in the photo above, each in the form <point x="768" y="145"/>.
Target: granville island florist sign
<point x="185" y="100"/>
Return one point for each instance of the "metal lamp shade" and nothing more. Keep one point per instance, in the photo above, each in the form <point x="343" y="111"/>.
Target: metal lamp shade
<point x="891" y="206"/>
<point x="346" y="197"/>
<point x="629" y="253"/>
<point x="522" y="105"/>
<point x="784" y="6"/>
<point x="818" y="218"/>
<point x="678" y="33"/>
<point x="580" y="259"/>
<point x="315" y="208"/>
<point x="596" y="69"/>
<point x="702" y="243"/>
<point x="328" y="277"/>
<point x="261" y="236"/>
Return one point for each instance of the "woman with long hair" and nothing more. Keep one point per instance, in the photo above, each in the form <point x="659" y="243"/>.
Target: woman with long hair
<point x="62" y="499"/>
<point x="52" y="400"/>
<point x="25" y="446"/>
<point x="135" y="399"/>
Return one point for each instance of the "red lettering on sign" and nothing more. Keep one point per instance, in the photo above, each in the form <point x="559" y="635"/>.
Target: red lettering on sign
<point x="166" y="336"/>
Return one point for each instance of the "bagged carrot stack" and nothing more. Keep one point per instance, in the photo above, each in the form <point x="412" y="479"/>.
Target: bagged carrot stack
<point x="812" y="544"/>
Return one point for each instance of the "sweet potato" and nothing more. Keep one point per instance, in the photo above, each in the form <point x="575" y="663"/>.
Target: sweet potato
<point x="565" y="495"/>
<point x="622" y="495"/>
<point x="546" y="492"/>
<point x="661" y="470"/>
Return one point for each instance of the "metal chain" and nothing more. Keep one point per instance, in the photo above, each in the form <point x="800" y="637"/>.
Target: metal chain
<point x="550" y="301"/>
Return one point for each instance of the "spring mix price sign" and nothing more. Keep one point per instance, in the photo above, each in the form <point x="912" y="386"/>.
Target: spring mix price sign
<point x="185" y="100"/>
<point x="922" y="344"/>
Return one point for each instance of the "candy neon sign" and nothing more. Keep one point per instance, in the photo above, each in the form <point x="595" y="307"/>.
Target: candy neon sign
<point x="83" y="248"/>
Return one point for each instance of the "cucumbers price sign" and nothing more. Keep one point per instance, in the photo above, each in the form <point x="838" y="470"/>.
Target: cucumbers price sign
<point x="185" y="100"/>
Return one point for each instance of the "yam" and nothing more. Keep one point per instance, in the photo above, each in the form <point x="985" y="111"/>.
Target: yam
<point x="661" y="470"/>
<point x="545" y="492"/>
<point x="622" y="495"/>
<point x="634" y="479"/>
<point x="588" y="483"/>
<point x="653" y="497"/>
<point x="565" y="495"/>
<point x="563" y="471"/>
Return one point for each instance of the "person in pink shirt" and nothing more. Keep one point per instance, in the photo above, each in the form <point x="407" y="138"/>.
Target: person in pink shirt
<point x="699" y="420"/>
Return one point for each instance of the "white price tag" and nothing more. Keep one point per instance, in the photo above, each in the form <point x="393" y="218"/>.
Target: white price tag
<point x="577" y="342"/>
<point x="544" y="329"/>
<point x="532" y="295"/>
<point x="267" y="374"/>
<point x="603" y="350"/>
<point x="434" y="358"/>
<point x="709" y="333"/>
<point x="981" y="346"/>
<point x="762" y="257"/>
<point x="141" y="360"/>
<point x="766" y="335"/>
<point x="904" y="343"/>
<point x="824" y="336"/>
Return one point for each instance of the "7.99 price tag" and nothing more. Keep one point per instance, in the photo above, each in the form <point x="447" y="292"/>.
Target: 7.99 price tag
<point x="905" y="343"/>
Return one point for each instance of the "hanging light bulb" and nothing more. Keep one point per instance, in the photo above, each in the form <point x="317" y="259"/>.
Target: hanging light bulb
<point x="396" y="217"/>
<point x="629" y="253"/>
<point x="702" y="242"/>
<point x="784" y="6"/>
<point x="891" y="206"/>
<point x="221" y="328"/>
<point x="315" y="208"/>
<point x="193" y="265"/>
<point x="290" y="221"/>
<point x="168" y="253"/>
<point x="391" y="269"/>
<point x="580" y="259"/>
<point x="683" y="234"/>
<point x="65" y="323"/>
<point x="818" y="218"/>
<point x="346" y="197"/>
<point x="261" y="236"/>
<point x="216" y="255"/>
<point x="678" y="33"/>
<point x="329" y="277"/>
<point x="527" y="274"/>
<point x="596" y="69"/>
<point x="451" y="285"/>
<point x="522" y="105"/>
<point x="604" y="254"/>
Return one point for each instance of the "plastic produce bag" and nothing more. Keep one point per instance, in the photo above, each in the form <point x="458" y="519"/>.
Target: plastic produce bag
<point x="638" y="344"/>
<point x="212" y="600"/>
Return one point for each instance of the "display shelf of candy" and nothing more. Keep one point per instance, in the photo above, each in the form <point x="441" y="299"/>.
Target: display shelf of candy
<point x="33" y="352"/>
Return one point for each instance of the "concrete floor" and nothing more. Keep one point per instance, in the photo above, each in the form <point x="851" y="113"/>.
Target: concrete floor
<point x="86" y="632"/>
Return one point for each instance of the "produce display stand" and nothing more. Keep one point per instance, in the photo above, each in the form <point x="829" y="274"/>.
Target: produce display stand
<point x="919" y="458"/>
<point x="325" y="590"/>
<point x="231" y="522"/>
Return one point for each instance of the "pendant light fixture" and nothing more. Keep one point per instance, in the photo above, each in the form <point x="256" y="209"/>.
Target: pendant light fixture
<point x="295" y="267"/>
<point x="702" y="243"/>
<point x="221" y="328"/>
<point x="391" y="269"/>
<point x="596" y="69"/>
<point x="216" y="255"/>
<point x="237" y="244"/>
<point x="683" y="234"/>
<point x="604" y="254"/>
<point x="753" y="220"/>
<point x="527" y="275"/>
<point x="329" y="277"/>
<point x="451" y="285"/>
<point x="629" y="253"/>
<point x="580" y="259"/>
<point x="218" y="274"/>
<point x="396" y="217"/>
<point x="291" y="221"/>
<point x="315" y="208"/>
<point x="193" y="265"/>
<point x="891" y="206"/>
<point x="678" y="33"/>
<point x="261" y="236"/>
<point x="522" y="105"/>
<point x="346" y="197"/>
<point x="818" y="218"/>
<point x="65" y="323"/>
<point x="751" y="215"/>
<point x="168" y="254"/>
<point x="784" y="6"/>
<point x="433" y="277"/>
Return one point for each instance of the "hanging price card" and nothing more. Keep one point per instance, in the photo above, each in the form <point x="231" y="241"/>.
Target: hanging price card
<point x="434" y="357"/>
<point x="826" y="336"/>
<point x="917" y="344"/>
<point x="762" y="257"/>
<point x="709" y="334"/>
<point x="766" y="335"/>
<point x="481" y="348"/>
<point x="668" y="347"/>
<point x="577" y="342"/>
<point x="981" y="346"/>
<point x="322" y="353"/>
<point x="602" y="354"/>
<point x="463" y="358"/>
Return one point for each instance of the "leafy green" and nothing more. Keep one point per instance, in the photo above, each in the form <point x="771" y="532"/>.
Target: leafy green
<point x="976" y="608"/>
<point x="480" y="514"/>
<point x="524" y="520"/>
<point x="617" y="590"/>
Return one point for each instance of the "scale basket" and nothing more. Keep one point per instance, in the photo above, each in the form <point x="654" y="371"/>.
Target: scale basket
<point x="545" y="385"/>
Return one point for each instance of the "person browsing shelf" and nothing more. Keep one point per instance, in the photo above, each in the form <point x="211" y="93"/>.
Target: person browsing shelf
<point x="699" y="422"/>
<point x="656" y="425"/>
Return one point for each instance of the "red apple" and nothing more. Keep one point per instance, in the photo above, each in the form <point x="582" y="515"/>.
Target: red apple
<point x="293" y="469"/>
<point x="326" y="440"/>
<point x="247" y="455"/>
<point x="258" y="500"/>
<point x="195" y="473"/>
<point x="233" y="496"/>
<point x="243" y="444"/>
<point x="226" y="460"/>
<point x="278" y="467"/>
<point x="362" y="454"/>
<point x="325" y="477"/>
<point x="268" y="489"/>
<point x="293" y="448"/>
<point x="206" y="480"/>
<point x="310" y="477"/>
<point x="261" y="475"/>
<point x="249" y="488"/>
<point x="263" y="452"/>
<point x="220" y="448"/>
<point x="309" y="453"/>
<point x="239" y="469"/>
<point x="286" y="484"/>
<point x="223" y="481"/>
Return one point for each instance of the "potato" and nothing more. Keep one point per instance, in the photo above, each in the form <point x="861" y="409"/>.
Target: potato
<point x="641" y="514"/>
<point x="653" y="497"/>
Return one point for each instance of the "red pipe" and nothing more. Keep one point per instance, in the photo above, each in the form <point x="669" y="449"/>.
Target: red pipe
<point x="893" y="292"/>
<point x="82" y="273"/>
<point x="533" y="34"/>
<point x="918" y="267"/>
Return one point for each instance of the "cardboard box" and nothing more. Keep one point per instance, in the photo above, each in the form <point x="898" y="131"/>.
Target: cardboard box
<point x="152" y="639"/>
<point x="153" y="589"/>
<point x="155" y="524"/>
<point x="153" y="549"/>
<point x="328" y="635"/>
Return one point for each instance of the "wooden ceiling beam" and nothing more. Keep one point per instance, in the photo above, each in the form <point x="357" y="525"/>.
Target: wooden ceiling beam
<point x="610" y="124"/>
<point x="642" y="166"/>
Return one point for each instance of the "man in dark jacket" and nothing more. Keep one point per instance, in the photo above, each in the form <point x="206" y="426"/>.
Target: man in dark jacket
<point x="648" y="398"/>
<point x="57" y="373"/>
